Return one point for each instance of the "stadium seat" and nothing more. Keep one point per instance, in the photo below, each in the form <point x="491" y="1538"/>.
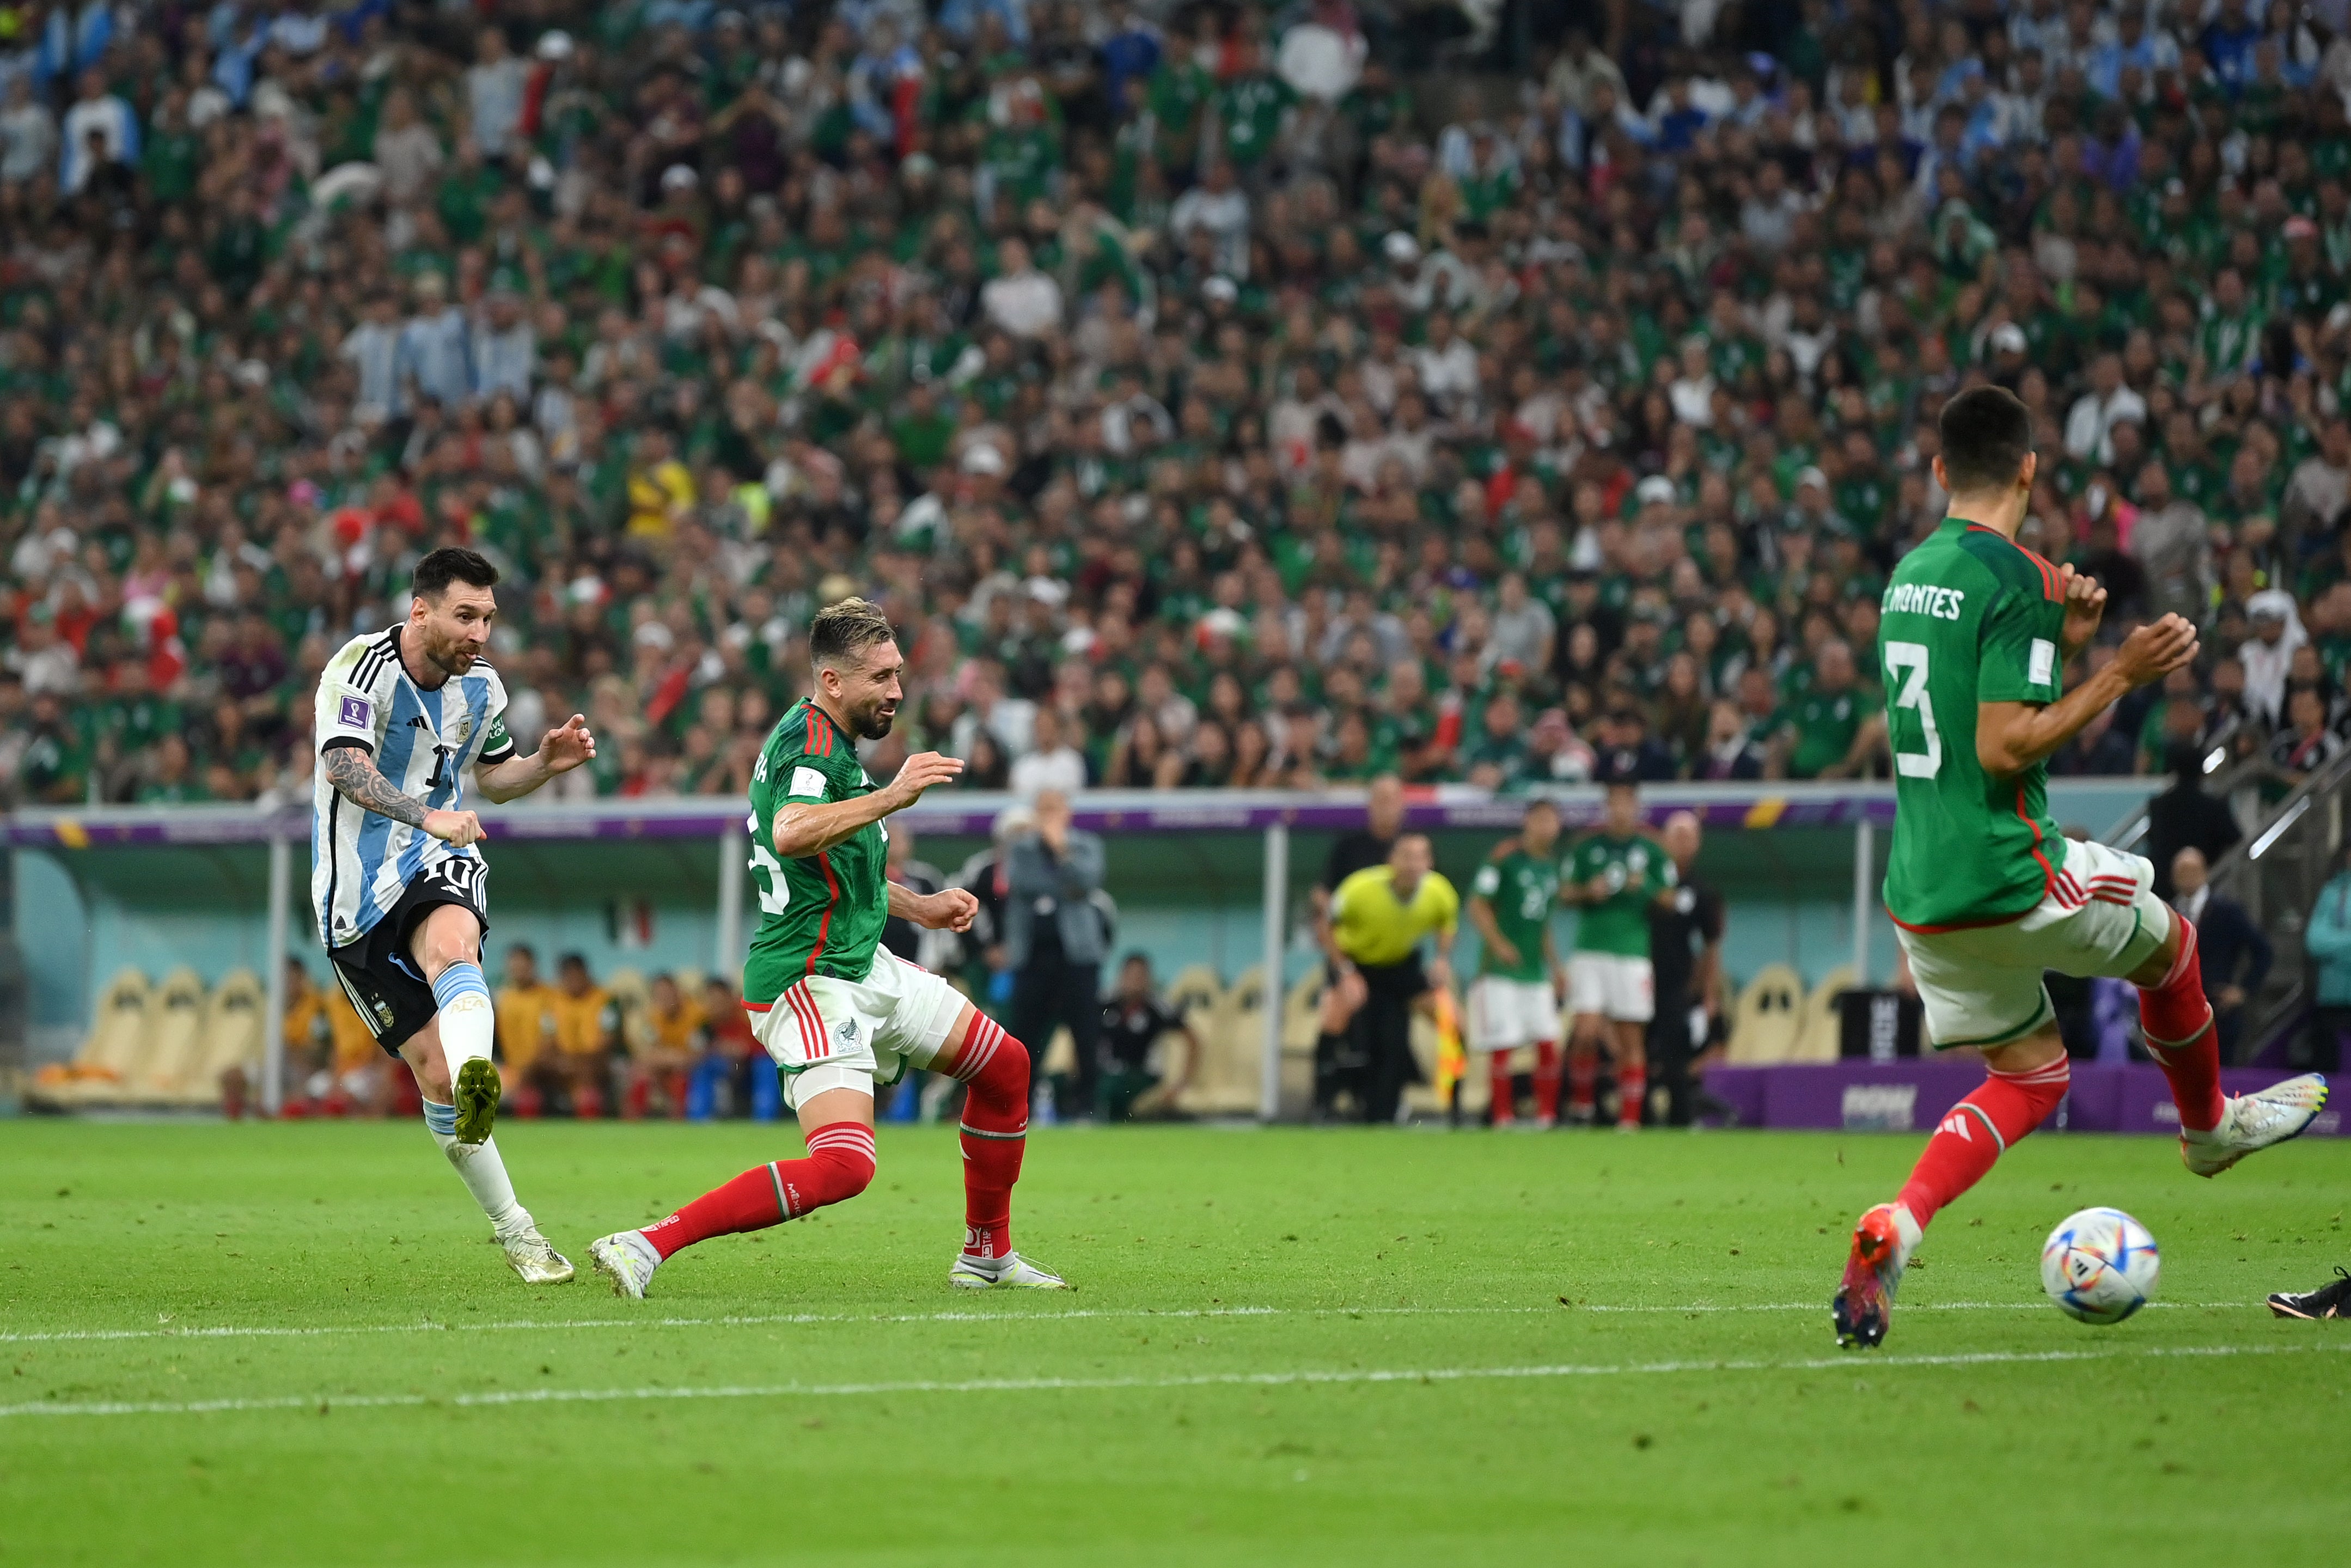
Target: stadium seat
<point x="1196" y="990"/>
<point x="1817" y="1027"/>
<point x="1231" y="1073"/>
<point x="1764" y="1021"/>
<point x="175" y="1022"/>
<point x="628" y="991"/>
<point x="117" y="1036"/>
<point x="231" y="1037"/>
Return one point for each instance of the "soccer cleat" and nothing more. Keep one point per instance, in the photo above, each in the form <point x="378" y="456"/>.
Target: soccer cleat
<point x="2331" y="1300"/>
<point x="534" y="1257"/>
<point x="971" y="1273"/>
<point x="1882" y="1244"/>
<point x="478" y="1099"/>
<point x="2251" y="1122"/>
<point x="626" y="1260"/>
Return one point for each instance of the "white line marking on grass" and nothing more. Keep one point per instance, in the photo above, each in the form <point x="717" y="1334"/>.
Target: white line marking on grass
<point x="325" y="1403"/>
<point x="526" y="1326"/>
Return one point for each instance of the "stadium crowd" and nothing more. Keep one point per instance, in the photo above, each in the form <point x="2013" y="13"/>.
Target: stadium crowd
<point x="1215" y="396"/>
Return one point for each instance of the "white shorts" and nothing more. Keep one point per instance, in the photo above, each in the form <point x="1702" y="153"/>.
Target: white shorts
<point x="840" y="1034"/>
<point x="1981" y="985"/>
<point x="1619" y="989"/>
<point x="1505" y="1014"/>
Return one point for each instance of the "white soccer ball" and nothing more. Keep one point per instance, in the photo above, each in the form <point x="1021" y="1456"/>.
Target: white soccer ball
<point x="2099" y="1265"/>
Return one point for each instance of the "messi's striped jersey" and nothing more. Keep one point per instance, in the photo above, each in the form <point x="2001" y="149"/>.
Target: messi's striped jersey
<point x="422" y="741"/>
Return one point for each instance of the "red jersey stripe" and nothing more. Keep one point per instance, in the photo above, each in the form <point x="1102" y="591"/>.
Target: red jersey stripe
<point x="831" y="899"/>
<point x="2048" y="872"/>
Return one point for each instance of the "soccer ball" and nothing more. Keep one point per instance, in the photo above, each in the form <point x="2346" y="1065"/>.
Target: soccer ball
<point x="2099" y="1265"/>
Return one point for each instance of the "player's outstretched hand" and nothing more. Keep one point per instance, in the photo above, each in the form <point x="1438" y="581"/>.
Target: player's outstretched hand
<point x="566" y="747"/>
<point x="2085" y="606"/>
<point x="2155" y="650"/>
<point x="455" y="829"/>
<point x="952" y="910"/>
<point x="921" y="771"/>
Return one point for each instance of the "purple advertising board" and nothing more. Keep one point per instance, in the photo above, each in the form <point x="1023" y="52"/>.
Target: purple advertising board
<point x="1912" y="1096"/>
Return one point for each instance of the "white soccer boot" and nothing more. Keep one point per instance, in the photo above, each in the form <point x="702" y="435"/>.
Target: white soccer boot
<point x="627" y="1260"/>
<point x="1011" y="1270"/>
<point x="2251" y="1122"/>
<point x="533" y="1256"/>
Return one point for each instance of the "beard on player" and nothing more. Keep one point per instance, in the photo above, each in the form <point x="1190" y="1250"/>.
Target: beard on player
<point x="871" y="719"/>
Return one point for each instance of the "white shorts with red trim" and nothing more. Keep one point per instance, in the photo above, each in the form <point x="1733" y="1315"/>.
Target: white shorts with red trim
<point x="826" y="1033"/>
<point x="1505" y="1014"/>
<point x="1614" y="985"/>
<point x="1981" y="984"/>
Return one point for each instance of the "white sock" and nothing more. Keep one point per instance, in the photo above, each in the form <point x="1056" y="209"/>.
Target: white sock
<point x="467" y="1021"/>
<point x="479" y="1167"/>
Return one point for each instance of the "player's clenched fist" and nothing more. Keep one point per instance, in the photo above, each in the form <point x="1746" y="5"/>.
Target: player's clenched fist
<point x="951" y="909"/>
<point x="455" y="829"/>
<point x="921" y="771"/>
<point x="2156" y="649"/>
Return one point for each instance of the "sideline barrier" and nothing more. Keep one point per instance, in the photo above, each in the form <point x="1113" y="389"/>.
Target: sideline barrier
<point x="1234" y="818"/>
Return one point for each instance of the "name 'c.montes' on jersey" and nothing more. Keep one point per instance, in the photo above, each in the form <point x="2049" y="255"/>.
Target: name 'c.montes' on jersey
<point x="1969" y="617"/>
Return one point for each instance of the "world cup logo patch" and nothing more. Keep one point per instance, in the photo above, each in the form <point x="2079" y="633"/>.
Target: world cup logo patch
<point x="354" y="712"/>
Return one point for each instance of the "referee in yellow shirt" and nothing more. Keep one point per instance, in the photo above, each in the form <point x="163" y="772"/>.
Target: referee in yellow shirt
<point x="1379" y="918"/>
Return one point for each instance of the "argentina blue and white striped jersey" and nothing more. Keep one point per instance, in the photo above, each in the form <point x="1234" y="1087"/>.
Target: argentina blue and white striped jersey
<point x="422" y="741"/>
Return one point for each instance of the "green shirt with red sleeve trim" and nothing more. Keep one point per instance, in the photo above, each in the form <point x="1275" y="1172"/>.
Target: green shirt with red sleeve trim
<point x="819" y="914"/>
<point x="1970" y="617"/>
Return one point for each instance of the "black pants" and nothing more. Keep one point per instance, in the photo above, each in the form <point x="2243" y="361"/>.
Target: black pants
<point x="2322" y="1048"/>
<point x="1051" y="991"/>
<point x="1381" y="1032"/>
<point x="1671" y="1050"/>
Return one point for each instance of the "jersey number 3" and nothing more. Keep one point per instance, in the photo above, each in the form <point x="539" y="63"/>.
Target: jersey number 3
<point x="1909" y="661"/>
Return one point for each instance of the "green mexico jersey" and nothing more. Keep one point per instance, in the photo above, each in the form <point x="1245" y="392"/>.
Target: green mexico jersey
<point x="1521" y="890"/>
<point x="1637" y="870"/>
<point x="1968" y="618"/>
<point x="819" y="914"/>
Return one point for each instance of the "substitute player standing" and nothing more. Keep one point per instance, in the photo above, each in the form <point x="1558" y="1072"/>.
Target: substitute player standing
<point x="1615" y="874"/>
<point x="1514" y="1000"/>
<point x="836" y="1010"/>
<point x="399" y="888"/>
<point x="1984" y="891"/>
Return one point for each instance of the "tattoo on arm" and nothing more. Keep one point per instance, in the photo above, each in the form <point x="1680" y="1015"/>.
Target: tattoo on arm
<point x="353" y="774"/>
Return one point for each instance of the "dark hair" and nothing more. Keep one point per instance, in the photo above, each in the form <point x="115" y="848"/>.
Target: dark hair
<point x="1541" y="803"/>
<point x="1137" y="957"/>
<point x="846" y="630"/>
<point x="449" y="564"/>
<point x="1987" y="435"/>
<point x="527" y="951"/>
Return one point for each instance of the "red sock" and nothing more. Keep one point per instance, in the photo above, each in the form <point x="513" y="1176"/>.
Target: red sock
<point x="1632" y="1092"/>
<point x="1547" y="1079"/>
<point x="840" y="1164"/>
<point x="1583" y="1078"/>
<point x="995" y="1131"/>
<point x="2177" y="1020"/>
<point x="1979" y="1129"/>
<point x="1505" y="1108"/>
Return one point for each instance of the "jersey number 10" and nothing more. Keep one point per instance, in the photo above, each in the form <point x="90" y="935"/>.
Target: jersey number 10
<point x="1909" y="661"/>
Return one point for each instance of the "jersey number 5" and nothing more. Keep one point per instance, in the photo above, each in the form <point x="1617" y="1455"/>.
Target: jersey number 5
<point x="774" y="893"/>
<point x="1909" y="661"/>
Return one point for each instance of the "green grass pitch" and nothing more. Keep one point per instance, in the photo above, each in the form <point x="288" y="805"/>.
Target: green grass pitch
<point x="1288" y="1347"/>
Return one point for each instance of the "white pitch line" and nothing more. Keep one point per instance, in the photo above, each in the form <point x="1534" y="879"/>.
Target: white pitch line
<point x="1848" y="1362"/>
<point x="529" y="1325"/>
